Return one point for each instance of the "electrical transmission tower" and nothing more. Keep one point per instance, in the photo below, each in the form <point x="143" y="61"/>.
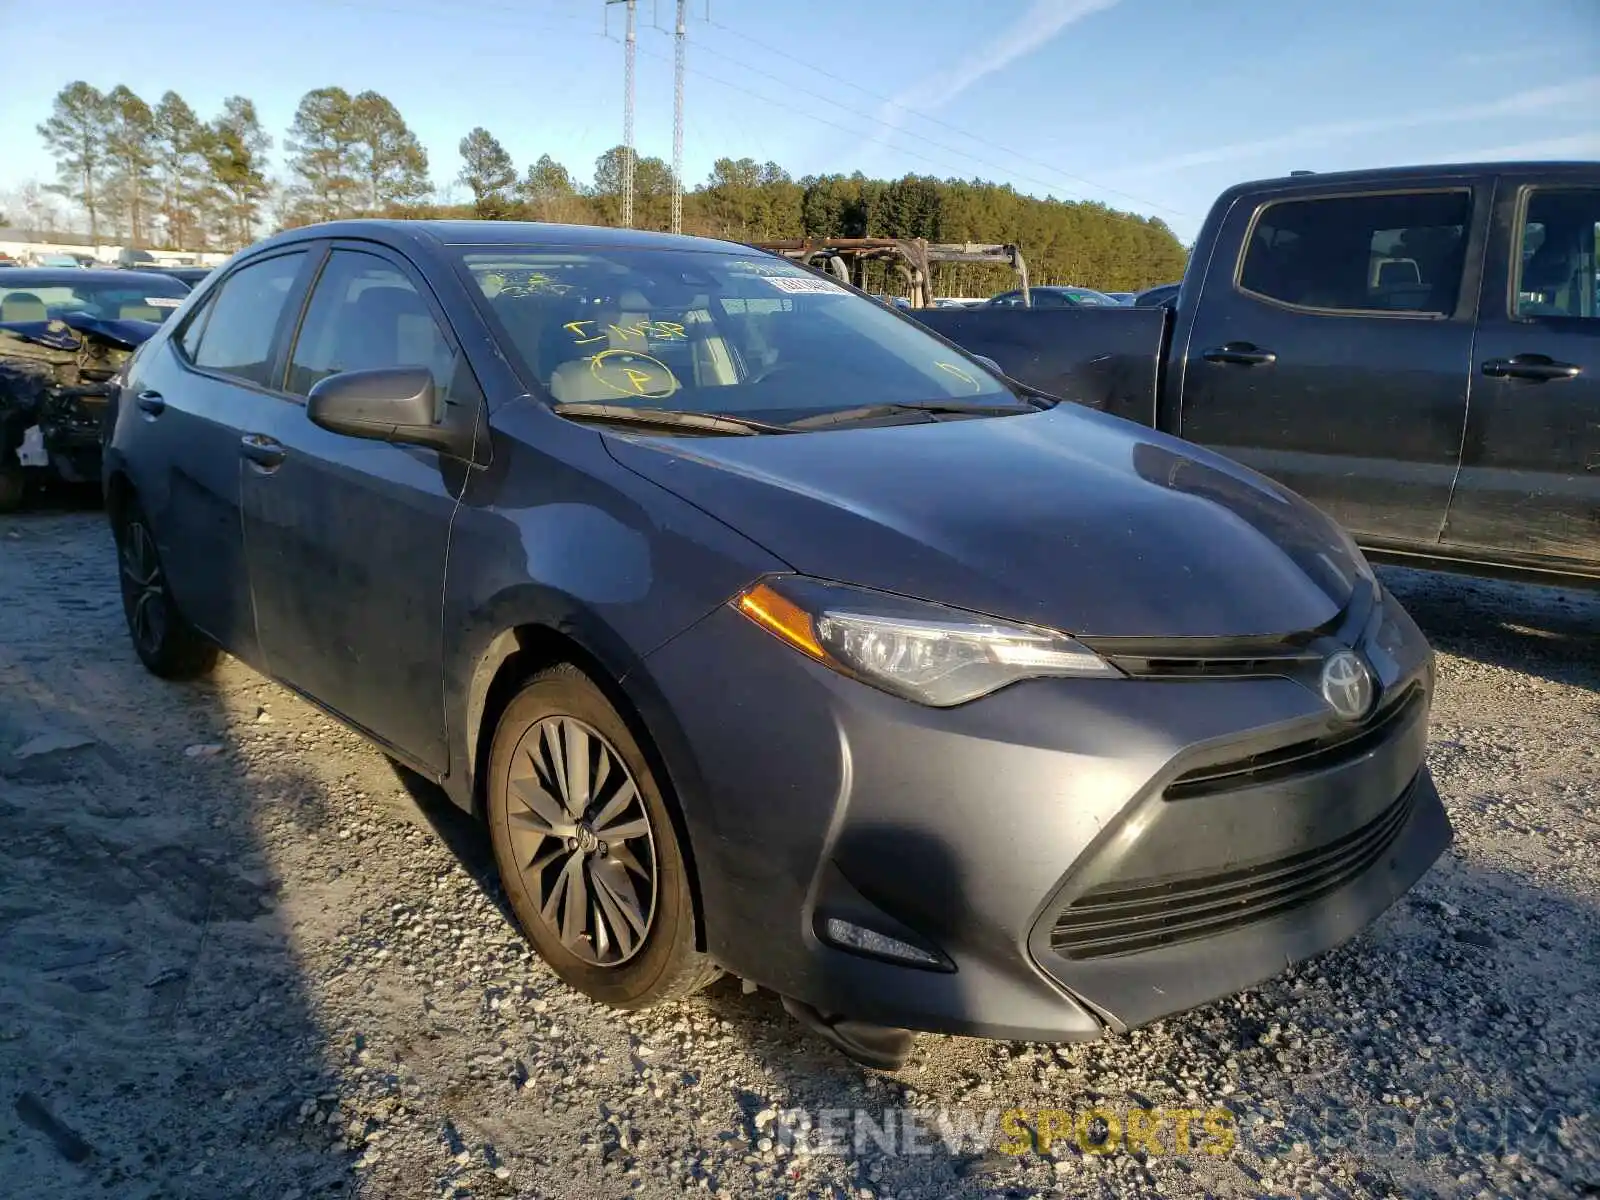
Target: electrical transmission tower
<point x="627" y="115"/>
<point x="680" y="36"/>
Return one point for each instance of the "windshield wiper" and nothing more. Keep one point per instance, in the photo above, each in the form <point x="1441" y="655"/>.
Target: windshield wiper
<point x="868" y="412"/>
<point x="667" y="418"/>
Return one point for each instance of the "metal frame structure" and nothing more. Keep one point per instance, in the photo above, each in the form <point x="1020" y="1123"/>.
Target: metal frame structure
<point x="912" y="259"/>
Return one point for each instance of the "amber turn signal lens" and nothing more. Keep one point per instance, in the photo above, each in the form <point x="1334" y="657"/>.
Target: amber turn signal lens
<point x="781" y="617"/>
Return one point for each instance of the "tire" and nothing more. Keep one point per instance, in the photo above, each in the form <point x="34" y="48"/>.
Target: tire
<point x="13" y="486"/>
<point x="621" y="847"/>
<point x="166" y="643"/>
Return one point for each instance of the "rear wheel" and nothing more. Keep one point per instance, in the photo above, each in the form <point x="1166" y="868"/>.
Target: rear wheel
<point x="13" y="484"/>
<point x="166" y="643"/>
<point x="586" y="847"/>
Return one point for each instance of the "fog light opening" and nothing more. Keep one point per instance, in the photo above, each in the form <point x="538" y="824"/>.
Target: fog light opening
<point x="850" y="936"/>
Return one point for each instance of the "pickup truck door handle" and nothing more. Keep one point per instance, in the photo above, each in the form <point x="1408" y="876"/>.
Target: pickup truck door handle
<point x="267" y="453"/>
<point x="1530" y="366"/>
<point x="1241" y="354"/>
<point x="151" y="402"/>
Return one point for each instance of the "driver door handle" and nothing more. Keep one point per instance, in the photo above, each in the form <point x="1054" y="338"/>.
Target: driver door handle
<point x="1240" y="354"/>
<point x="1530" y="366"/>
<point x="265" y="452"/>
<point x="151" y="402"/>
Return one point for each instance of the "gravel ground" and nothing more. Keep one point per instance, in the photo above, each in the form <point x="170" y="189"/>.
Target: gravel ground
<point x="240" y="956"/>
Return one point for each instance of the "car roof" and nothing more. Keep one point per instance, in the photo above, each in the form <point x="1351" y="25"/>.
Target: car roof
<point x="1381" y="177"/>
<point x="16" y="277"/>
<point x="508" y="233"/>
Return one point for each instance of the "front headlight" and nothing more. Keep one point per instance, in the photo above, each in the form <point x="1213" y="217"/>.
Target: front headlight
<point x="924" y="652"/>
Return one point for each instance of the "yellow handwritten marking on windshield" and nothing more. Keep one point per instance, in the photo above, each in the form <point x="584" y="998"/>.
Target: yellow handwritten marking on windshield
<point x="629" y="373"/>
<point x="965" y="377"/>
<point x="643" y="329"/>
<point x="576" y="329"/>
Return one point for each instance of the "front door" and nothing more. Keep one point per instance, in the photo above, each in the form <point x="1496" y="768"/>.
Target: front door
<point x="1333" y="355"/>
<point x="346" y="536"/>
<point x="1530" y="469"/>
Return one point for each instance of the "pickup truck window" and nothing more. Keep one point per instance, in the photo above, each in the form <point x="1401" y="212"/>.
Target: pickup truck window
<point x="1560" y="268"/>
<point x="1399" y="252"/>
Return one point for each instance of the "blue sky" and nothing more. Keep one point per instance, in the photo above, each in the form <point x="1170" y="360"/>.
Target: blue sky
<point x="1151" y="105"/>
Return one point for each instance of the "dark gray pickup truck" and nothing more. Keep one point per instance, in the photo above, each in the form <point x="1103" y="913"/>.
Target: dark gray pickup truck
<point x="1415" y="350"/>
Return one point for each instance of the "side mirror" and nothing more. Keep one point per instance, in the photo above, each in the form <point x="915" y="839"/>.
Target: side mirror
<point x="390" y="404"/>
<point x="990" y="363"/>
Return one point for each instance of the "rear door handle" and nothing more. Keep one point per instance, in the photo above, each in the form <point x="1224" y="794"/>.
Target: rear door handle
<point x="1241" y="354"/>
<point x="151" y="402"/>
<point x="1530" y="366"/>
<point x="267" y="453"/>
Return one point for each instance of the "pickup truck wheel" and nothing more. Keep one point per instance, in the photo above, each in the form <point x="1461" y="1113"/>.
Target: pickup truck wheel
<point x="586" y="847"/>
<point x="166" y="643"/>
<point x="13" y="483"/>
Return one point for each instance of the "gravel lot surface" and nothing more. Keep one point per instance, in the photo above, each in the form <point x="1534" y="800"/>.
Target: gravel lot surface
<point x="240" y="956"/>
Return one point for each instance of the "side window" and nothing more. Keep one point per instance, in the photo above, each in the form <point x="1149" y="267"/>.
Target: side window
<point x="365" y="314"/>
<point x="1559" y="275"/>
<point x="235" y="333"/>
<point x="1390" y="253"/>
<point x="190" y="338"/>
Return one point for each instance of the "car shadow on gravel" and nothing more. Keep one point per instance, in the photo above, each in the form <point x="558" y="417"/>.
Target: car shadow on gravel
<point x="1546" y="631"/>
<point x="156" y="1038"/>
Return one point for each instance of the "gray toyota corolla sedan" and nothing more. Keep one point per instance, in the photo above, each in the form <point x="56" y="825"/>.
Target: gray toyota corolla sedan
<point x="770" y="633"/>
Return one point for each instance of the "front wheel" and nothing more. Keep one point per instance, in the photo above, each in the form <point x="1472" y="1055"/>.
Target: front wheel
<point x="166" y="643"/>
<point x="586" y="847"/>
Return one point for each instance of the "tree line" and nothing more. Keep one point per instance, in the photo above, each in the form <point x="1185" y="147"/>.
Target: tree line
<point x="163" y="176"/>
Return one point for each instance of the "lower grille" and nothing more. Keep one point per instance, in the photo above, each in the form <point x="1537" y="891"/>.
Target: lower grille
<point x="1122" y="919"/>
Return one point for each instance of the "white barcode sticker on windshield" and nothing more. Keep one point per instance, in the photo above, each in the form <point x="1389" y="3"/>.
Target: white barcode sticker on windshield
<point x="804" y="283"/>
<point x="162" y="301"/>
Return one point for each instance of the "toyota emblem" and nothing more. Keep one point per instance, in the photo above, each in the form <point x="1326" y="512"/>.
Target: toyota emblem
<point x="1347" y="685"/>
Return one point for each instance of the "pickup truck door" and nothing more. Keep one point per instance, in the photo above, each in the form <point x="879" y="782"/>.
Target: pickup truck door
<point x="1330" y="349"/>
<point x="1530" y="468"/>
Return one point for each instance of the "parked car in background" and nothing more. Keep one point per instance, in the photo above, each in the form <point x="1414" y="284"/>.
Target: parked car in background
<point x="1122" y="297"/>
<point x="188" y="275"/>
<point x="1155" y="297"/>
<point x="129" y="257"/>
<point x="1415" y="350"/>
<point x="59" y="261"/>
<point x="1053" y="297"/>
<point x="64" y="333"/>
<point x="776" y="634"/>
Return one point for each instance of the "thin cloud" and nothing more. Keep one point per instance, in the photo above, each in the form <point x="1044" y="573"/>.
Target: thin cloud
<point x="1042" y="23"/>
<point x="1575" y="146"/>
<point x="1298" y="141"/>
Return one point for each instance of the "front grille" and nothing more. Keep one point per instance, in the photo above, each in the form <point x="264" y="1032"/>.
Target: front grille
<point x="1313" y="754"/>
<point x="1121" y="919"/>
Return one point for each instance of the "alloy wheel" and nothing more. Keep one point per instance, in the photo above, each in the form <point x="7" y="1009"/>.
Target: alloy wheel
<point x="582" y="840"/>
<point x="144" y="586"/>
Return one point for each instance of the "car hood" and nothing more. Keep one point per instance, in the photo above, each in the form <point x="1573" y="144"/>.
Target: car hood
<point x="1066" y="518"/>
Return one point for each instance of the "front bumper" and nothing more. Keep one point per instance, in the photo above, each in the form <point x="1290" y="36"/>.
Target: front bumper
<point x="1078" y="854"/>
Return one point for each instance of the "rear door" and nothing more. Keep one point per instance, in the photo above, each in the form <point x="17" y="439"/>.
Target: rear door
<point x="346" y="536"/>
<point x="1530" y="471"/>
<point x="194" y="397"/>
<point x="1331" y="352"/>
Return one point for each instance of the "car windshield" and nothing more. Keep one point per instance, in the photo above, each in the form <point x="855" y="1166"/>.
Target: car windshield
<point x="147" y="298"/>
<point x="701" y="331"/>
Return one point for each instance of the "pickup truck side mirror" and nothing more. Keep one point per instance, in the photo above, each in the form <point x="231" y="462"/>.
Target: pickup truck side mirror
<point x="990" y="363"/>
<point x="390" y="404"/>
